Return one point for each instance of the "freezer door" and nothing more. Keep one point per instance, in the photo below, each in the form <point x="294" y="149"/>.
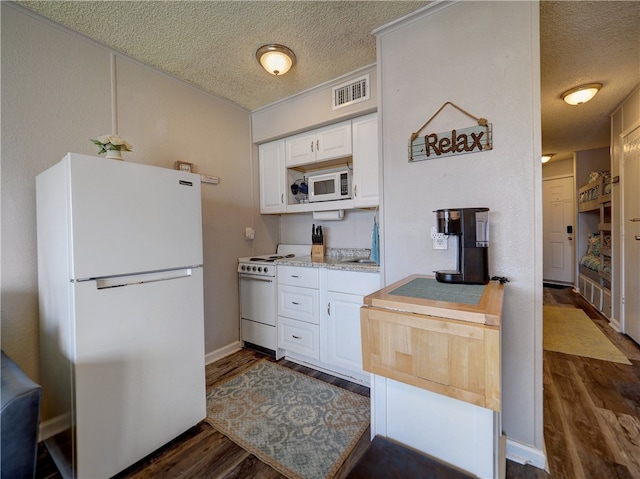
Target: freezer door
<point x="139" y="367"/>
<point x="129" y="217"/>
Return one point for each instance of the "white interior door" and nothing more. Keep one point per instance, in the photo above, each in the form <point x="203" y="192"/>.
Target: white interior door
<point x="631" y="234"/>
<point x="558" y="227"/>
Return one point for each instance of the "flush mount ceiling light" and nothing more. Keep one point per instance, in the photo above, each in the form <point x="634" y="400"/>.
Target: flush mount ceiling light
<point x="546" y="158"/>
<point x="581" y="94"/>
<point x="276" y="59"/>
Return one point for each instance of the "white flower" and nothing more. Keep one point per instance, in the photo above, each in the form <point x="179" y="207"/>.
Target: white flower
<point x="111" y="142"/>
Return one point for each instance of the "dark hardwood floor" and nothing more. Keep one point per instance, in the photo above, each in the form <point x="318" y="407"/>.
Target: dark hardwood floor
<point x="203" y="452"/>
<point x="591" y="420"/>
<point x="591" y="407"/>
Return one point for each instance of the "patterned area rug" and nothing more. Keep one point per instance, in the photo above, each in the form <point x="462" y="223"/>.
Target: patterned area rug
<point x="301" y="426"/>
<point x="570" y="331"/>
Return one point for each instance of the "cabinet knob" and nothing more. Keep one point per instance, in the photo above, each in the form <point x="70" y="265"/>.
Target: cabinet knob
<point x="635" y="220"/>
<point x="329" y="309"/>
<point x="311" y="146"/>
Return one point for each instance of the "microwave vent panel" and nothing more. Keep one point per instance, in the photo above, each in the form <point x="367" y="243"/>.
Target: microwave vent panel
<point x="349" y="93"/>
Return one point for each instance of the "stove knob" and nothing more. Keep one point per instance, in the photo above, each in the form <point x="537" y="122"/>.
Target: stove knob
<point x="243" y="267"/>
<point x="259" y="269"/>
<point x="253" y="268"/>
<point x="266" y="270"/>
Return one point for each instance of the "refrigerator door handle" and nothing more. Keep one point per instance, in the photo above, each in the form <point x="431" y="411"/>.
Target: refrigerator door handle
<point x="130" y="280"/>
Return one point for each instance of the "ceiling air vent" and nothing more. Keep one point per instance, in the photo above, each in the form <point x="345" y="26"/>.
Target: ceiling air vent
<point x="352" y="92"/>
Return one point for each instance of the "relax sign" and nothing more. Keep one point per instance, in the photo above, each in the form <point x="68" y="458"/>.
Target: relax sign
<point x="454" y="142"/>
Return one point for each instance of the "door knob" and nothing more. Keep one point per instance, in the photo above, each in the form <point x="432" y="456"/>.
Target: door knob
<point x="635" y="220"/>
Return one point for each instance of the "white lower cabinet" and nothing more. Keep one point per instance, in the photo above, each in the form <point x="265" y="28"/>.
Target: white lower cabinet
<point x="319" y="318"/>
<point x="344" y="347"/>
<point x="341" y="339"/>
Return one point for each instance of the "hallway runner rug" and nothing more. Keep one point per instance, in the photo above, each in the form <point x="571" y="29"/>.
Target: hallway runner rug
<point x="571" y="331"/>
<point x="301" y="426"/>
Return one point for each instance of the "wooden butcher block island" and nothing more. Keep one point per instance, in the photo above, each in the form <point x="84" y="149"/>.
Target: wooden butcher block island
<point x="444" y="338"/>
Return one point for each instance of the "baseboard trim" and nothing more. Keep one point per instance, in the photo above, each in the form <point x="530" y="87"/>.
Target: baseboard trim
<point x="615" y="325"/>
<point x="213" y="356"/>
<point x="525" y="454"/>
<point x="53" y="426"/>
<point x="56" y="425"/>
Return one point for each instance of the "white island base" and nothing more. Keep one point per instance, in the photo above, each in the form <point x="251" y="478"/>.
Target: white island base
<point x="461" y="434"/>
<point x="436" y="370"/>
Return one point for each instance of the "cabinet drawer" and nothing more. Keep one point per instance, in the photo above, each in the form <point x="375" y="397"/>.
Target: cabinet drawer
<point x="298" y="276"/>
<point x="298" y="303"/>
<point x="353" y="282"/>
<point x="299" y="337"/>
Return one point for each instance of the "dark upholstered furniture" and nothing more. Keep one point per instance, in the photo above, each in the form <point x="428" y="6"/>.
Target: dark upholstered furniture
<point x="19" y="421"/>
<point x="387" y="459"/>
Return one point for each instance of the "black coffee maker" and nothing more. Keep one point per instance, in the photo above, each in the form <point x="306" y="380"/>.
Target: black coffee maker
<point x="471" y="226"/>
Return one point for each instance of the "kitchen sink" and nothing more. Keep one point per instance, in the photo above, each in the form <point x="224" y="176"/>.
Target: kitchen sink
<point x="360" y="261"/>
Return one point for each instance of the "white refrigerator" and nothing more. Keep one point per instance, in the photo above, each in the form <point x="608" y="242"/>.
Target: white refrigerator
<point x="121" y="310"/>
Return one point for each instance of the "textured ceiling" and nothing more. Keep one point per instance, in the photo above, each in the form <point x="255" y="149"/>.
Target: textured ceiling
<point x="586" y="42"/>
<point x="212" y="45"/>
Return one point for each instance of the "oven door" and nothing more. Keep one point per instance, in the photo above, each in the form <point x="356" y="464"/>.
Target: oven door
<point x="258" y="299"/>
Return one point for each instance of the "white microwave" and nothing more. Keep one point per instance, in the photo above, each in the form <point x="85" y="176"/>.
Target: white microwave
<point x="329" y="186"/>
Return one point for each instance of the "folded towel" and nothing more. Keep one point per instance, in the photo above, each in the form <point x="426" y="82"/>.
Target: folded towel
<point x="375" y="243"/>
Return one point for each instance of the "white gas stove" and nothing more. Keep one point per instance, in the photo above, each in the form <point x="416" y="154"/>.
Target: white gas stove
<point x="258" y="296"/>
<point x="262" y="265"/>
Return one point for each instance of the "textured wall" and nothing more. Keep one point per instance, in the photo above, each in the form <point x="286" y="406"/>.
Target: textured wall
<point x="311" y="109"/>
<point x="56" y="95"/>
<point x="208" y="47"/>
<point x="486" y="60"/>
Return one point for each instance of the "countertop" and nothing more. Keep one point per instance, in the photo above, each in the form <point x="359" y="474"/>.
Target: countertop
<point x="486" y="309"/>
<point x="335" y="259"/>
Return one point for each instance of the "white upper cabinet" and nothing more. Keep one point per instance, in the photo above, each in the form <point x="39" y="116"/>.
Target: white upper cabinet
<point x="272" y="177"/>
<point x="333" y="141"/>
<point x="352" y="143"/>
<point x="365" y="161"/>
<point x="301" y="149"/>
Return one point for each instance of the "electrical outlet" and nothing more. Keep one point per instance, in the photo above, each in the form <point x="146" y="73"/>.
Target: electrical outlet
<point x="440" y="243"/>
<point x="440" y="240"/>
<point x="249" y="233"/>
